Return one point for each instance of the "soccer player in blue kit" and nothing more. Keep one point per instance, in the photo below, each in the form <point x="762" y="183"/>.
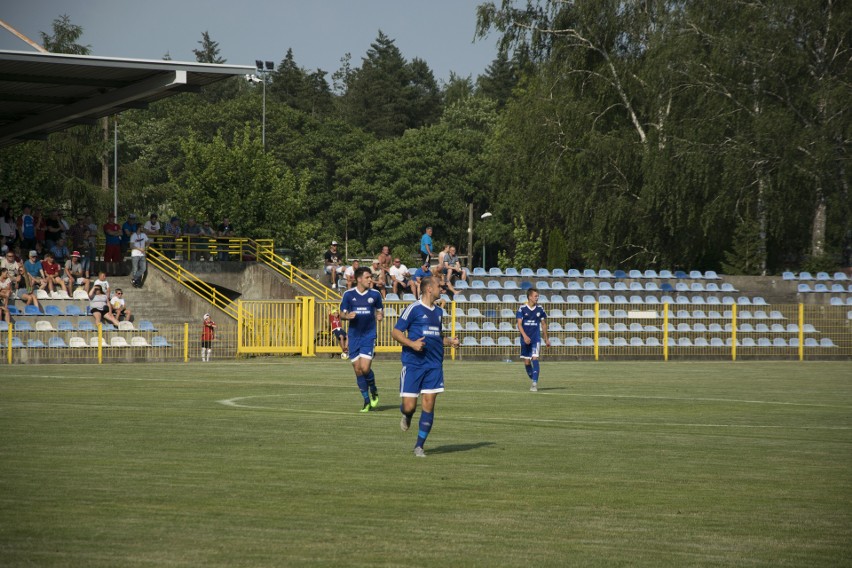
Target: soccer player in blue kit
<point x="362" y="306"/>
<point x="419" y="331"/>
<point x="531" y="318"/>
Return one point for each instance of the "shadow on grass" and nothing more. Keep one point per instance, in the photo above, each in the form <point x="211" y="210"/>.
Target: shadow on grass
<point x="448" y="449"/>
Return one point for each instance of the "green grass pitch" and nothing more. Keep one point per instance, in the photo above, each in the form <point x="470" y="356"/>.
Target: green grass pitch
<point x="269" y="463"/>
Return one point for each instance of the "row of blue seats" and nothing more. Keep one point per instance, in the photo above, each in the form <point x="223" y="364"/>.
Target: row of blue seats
<point x="504" y="341"/>
<point x="838" y="276"/>
<point x="65" y="325"/>
<point x="834" y="289"/>
<point x="603" y="313"/>
<point x="589" y="273"/>
<point x="79" y="342"/>
<point x="596" y="286"/>
<point x="603" y="327"/>
<point x="834" y="301"/>
<point x="618" y="299"/>
<point x="72" y="310"/>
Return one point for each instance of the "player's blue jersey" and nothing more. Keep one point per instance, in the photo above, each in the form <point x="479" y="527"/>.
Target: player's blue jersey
<point x="531" y="320"/>
<point x="420" y="321"/>
<point x="364" y="307"/>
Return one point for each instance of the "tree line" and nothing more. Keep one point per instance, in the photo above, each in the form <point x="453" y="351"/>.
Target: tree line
<point x="606" y="133"/>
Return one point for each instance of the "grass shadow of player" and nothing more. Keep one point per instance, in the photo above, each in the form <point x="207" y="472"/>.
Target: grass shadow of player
<point x="540" y="389"/>
<point x="450" y="448"/>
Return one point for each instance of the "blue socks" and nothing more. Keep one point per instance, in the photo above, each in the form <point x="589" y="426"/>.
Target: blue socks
<point x="362" y="386"/>
<point x="371" y="382"/>
<point x="535" y="369"/>
<point x="425" y="426"/>
<point x="529" y="370"/>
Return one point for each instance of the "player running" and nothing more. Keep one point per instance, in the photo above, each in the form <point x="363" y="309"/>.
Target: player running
<point x="362" y="306"/>
<point x="422" y="359"/>
<point x="531" y="317"/>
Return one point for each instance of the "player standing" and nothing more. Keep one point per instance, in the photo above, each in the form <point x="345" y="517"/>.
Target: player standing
<point x="419" y="331"/>
<point x="531" y="317"/>
<point x="362" y="306"/>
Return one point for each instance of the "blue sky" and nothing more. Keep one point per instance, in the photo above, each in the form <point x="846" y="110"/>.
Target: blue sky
<point x="319" y="31"/>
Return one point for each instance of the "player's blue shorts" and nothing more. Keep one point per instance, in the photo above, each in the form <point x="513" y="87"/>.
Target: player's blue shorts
<point x="530" y="351"/>
<point x="361" y="347"/>
<point x="416" y="380"/>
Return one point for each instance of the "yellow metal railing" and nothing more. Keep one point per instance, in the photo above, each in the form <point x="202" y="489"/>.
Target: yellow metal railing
<point x="263" y="250"/>
<point x="192" y="282"/>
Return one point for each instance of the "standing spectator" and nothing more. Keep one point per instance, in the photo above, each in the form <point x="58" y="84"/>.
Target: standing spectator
<point x="426" y="245"/>
<point x="207" y="234"/>
<point x="34" y="273"/>
<point x="332" y="264"/>
<point x="173" y="233"/>
<point x="54" y="229"/>
<point x="64" y="224"/>
<point x="401" y="278"/>
<point x="76" y="273"/>
<point x="225" y="232"/>
<point x="418" y="276"/>
<point x="112" y="249"/>
<point x="8" y="228"/>
<point x="99" y="306"/>
<point x="138" y="250"/>
<point x="386" y="262"/>
<point x="363" y="308"/>
<point x="40" y="225"/>
<point x="60" y="251"/>
<point x="76" y="233"/>
<point x="15" y="269"/>
<point x="208" y="335"/>
<point x="53" y="274"/>
<point x="6" y="293"/>
<point x="26" y="229"/>
<point x="349" y="273"/>
<point x="378" y="277"/>
<point x="127" y="230"/>
<point x="419" y="331"/>
<point x="338" y="333"/>
<point x="152" y="225"/>
<point x="90" y="253"/>
<point x="532" y="325"/>
<point x="192" y="230"/>
<point x="119" y="306"/>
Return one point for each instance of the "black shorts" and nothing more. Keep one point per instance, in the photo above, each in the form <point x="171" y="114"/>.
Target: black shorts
<point x="207" y="344"/>
<point x="103" y="311"/>
<point x="425" y="257"/>
<point x="338" y="333"/>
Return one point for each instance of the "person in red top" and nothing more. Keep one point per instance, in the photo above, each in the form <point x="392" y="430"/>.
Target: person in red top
<point x="337" y="331"/>
<point x="53" y="274"/>
<point x="208" y="335"/>
<point x="112" y="250"/>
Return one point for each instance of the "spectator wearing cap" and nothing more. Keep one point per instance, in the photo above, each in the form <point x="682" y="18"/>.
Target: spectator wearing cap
<point x="112" y="249"/>
<point x="33" y="272"/>
<point x="76" y="272"/>
<point x="332" y="264"/>
<point x="419" y="274"/>
<point x="172" y="233"/>
<point x="127" y="231"/>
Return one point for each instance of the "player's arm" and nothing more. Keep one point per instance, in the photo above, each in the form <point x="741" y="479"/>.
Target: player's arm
<point x="400" y="337"/>
<point x="521" y="330"/>
<point x="380" y="314"/>
<point x="544" y="332"/>
<point x="451" y="341"/>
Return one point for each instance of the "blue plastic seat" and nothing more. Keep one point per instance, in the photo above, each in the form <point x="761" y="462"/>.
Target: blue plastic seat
<point x="805" y="276"/>
<point x="652" y="342"/>
<point x="555" y="342"/>
<point x="684" y="342"/>
<point x="57" y="342"/>
<point x="554" y="327"/>
<point x="619" y="274"/>
<point x="788" y="275"/>
<point x="634" y="274"/>
<point x="651" y="287"/>
<point x="701" y="342"/>
<point x="620" y="286"/>
<point x="637" y="342"/>
<point x="587" y="342"/>
<point x="35" y="344"/>
<point x="574" y="273"/>
<point x="86" y="325"/>
<point x="471" y="326"/>
<point x="64" y="325"/>
<point x="570" y="342"/>
<point x="779" y="342"/>
<point x="495" y="285"/>
<point x="840" y="276"/>
<point x="573" y="285"/>
<point x="32" y="311"/>
<point x="557" y="273"/>
<point x="22" y="326"/>
<point x="604" y="299"/>
<point x="604" y="273"/>
<point x="589" y="286"/>
<point x="826" y="342"/>
<point x="680" y="274"/>
<point x="636" y="286"/>
<point x="73" y="310"/>
<point x="17" y="343"/>
<point x="527" y="273"/>
<point x="479" y="271"/>
<point x="52" y="311"/>
<point x="474" y="313"/>
<point x="526" y="285"/>
<point x="557" y="299"/>
<point x="160" y="341"/>
<point x="512" y="272"/>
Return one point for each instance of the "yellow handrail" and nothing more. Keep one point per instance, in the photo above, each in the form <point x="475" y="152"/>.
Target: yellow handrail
<point x="265" y="253"/>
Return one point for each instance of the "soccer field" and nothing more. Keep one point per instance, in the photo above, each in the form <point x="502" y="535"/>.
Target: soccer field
<point x="270" y="463"/>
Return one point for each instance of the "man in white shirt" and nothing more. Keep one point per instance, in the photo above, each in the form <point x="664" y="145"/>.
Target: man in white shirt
<point x="138" y="247"/>
<point x="400" y="277"/>
<point x="152" y="225"/>
<point x="349" y="273"/>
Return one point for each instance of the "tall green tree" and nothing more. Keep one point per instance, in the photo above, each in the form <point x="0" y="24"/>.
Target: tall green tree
<point x="64" y="37"/>
<point x="208" y="51"/>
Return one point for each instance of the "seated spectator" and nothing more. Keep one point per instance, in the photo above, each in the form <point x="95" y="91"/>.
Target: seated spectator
<point x="34" y="273"/>
<point x="401" y="278"/>
<point x="53" y="274"/>
<point x="100" y="307"/>
<point x="76" y="273"/>
<point x="5" y="294"/>
<point x="332" y="263"/>
<point x="386" y="262"/>
<point x="119" y="306"/>
<point x="453" y="267"/>
<point x="16" y="270"/>
<point x="192" y="231"/>
<point x="349" y="273"/>
<point x="419" y="274"/>
<point x="208" y="235"/>
<point x="442" y="256"/>
<point x="60" y="251"/>
<point x="102" y="282"/>
<point x="378" y="277"/>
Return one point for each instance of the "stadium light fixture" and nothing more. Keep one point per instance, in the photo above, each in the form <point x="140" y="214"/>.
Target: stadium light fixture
<point x="262" y="68"/>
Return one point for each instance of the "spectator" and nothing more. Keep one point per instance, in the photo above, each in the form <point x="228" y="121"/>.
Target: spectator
<point x="192" y="230"/>
<point x="332" y="264"/>
<point x="40" y="226"/>
<point x="208" y="335"/>
<point x="15" y="269"/>
<point x="26" y="229"/>
<point x="378" y="277"/>
<point x="138" y="252"/>
<point x="225" y="232"/>
<point x="112" y="249"/>
<point x="442" y="257"/>
<point x="63" y="223"/>
<point x="207" y="234"/>
<point x="100" y="308"/>
<point x="90" y="223"/>
<point x="6" y="294"/>
<point x="426" y="245"/>
<point x="453" y="267"/>
<point x="119" y="306"/>
<point x="338" y="333"/>
<point x="90" y="253"/>
<point x="401" y="278"/>
<point x="386" y="262"/>
<point x="102" y="282"/>
<point x="127" y="230"/>
<point x="76" y="234"/>
<point x="60" y="251"/>
<point x="173" y="232"/>
<point x="420" y="274"/>
<point x="8" y="228"/>
<point x="53" y="274"/>
<point x="34" y="273"/>
<point x="76" y="273"/>
<point x="349" y="273"/>
<point x="152" y="225"/>
<point x="54" y="230"/>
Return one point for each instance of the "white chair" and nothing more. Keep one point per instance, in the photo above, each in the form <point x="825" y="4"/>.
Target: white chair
<point x="77" y="342"/>
<point x="93" y="342"/>
<point x="42" y="294"/>
<point x="61" y="295"/>
<point x="118" y="342"/>
<point x="44" y="326"/>
<point x="139" y="342"/>
<point x="80" y="294"/>
<point x="125" y="326"/>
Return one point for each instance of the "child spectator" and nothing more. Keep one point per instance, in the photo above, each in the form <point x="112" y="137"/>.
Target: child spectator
<point x="338" y="333"/>
<point x="119" y="306"/>
<point x="53" y="274"/>
<point x="208" y="335"/>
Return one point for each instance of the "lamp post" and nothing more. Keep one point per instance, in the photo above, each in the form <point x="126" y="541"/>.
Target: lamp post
<point x="262" y="68"/>
<point x="484" y="216"/>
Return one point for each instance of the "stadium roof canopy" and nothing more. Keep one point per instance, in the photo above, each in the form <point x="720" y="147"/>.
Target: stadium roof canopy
<point x="42" y="93"/>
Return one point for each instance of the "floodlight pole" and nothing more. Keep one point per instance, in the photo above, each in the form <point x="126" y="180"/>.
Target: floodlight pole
<point x="263" y="68"/>
<point x="484" y="216"/>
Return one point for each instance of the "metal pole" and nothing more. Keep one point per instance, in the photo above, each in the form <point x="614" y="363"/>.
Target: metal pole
<point x="470" y="234"/>
<point x="115" y="168"/>
<point x="483" y="254"/>
<point x="263" y="135"/>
